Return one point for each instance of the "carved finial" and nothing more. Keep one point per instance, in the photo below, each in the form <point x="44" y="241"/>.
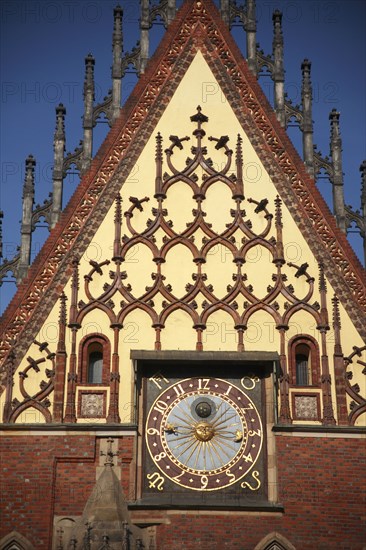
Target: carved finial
<point x="117" y="229"/>
<point x="59" y="142"/>
<point x="109" y="454"/>
<point x="363" y="184"/>
<point x="89" y="75"/>
<point x="337" y="176"/>
<point x="29" y="175"/>
<point x="225" y="11"/>
<point x="62" y="316"/>
<point x="322" y="281"/>
<point x="334" y="116"/>
<point x="305" y="70"/>
<point x="250" y="28"/>
<point x="336" y="313"/>
<point x="159" y="148"/>
<point x="278" y="73"/>
<point x="277" y="25"/>
<point x="239" y="167"/>
<point x="117" y="27"/>
<point x="117" y="48"/>
<point x="278" y="213"/>
<point x="26" y="230"/>
<point x="144" y="36"/>
<point x="159" y="165"/>
<point x="337" y="327"/>
<point x="60" y="121"/>
<point x="307" y="122"/>
<point x="75" y="273"/>
<point x="74" y="291"/>
<point x="118" y="210"/>
<point x="323" y="298"/>
<point x="199" y="117"/>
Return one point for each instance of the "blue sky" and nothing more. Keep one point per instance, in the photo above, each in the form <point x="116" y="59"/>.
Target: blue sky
<point x="43" y="46"/>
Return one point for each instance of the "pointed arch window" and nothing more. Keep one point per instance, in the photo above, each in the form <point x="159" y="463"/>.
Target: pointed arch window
<point x="94" y="360"/>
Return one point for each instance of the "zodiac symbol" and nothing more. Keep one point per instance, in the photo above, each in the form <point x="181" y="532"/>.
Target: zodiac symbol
<point x="155" y="480"/>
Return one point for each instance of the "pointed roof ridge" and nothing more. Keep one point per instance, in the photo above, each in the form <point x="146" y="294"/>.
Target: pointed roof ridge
<point x="136" y="122"/>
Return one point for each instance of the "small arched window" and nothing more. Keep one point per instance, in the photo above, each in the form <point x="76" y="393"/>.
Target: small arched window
<point x="304" y="365"/>
<point x="95" y="363"/>
<point x="303" y="358"/>
<point x="94" y="360"/>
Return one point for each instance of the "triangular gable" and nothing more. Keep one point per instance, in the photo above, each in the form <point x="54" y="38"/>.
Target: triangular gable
<point x="197" y="26"/>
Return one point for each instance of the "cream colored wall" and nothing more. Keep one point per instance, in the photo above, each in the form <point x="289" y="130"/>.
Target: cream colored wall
<point x="198" y="87"/>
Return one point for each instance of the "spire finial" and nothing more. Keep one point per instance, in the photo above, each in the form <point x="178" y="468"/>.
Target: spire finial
<point x="250" y="27"/>
<point x="278" y="74"/>
<point x="337" y="176"/>
<point x="307" y="122"/>
<point x="159" y="166"/>
<point x="59" y="142"/>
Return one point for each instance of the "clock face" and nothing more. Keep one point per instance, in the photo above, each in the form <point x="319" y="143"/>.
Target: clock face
<point x="204" y="434"/>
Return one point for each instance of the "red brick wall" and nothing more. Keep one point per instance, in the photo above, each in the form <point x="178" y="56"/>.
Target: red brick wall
<point x="43" y="476"/>
<point x="322" y="488"/>
<point x="321" y="485"/>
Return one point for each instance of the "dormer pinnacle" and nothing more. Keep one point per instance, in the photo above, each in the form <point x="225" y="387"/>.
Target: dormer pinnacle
<point x="337" y="178"/>
<point x="26" y="230"/>
<point x="251" y="28"/>
<point x="278" y="74"/>
<point x="59" y="142"/>
<point x="89" y="75"/>
<point x="363" y="184"/>
<point x="307" y="122"/>
<point x="144" y="38"/>
<point x="117" y="48"/>
<point x="88" y="112"/>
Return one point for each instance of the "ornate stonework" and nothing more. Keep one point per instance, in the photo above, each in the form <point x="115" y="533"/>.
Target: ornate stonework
<point x="195" y="28"/>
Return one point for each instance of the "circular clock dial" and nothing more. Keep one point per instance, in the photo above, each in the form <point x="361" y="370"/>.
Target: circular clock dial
<point x="204" y="433"/>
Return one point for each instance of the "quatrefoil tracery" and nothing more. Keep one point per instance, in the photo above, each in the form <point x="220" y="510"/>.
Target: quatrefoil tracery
<point x="240" y="301"/>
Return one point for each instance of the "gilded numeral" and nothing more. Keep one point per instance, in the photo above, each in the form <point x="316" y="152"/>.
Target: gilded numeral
<point x="203" y="383"/>
<point x="204" y="482"/>
<point x="155" y="481"/>
<point x="178" y="389"/>
<point x="246" y="484"/>
<point x="159" y="457"/>
<point x="251" y="433"/>
<point x="228" y="390"/>
<point x="179" y="476"/>
<point x="160" y="406"/>
<point x="152" y="431"/>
